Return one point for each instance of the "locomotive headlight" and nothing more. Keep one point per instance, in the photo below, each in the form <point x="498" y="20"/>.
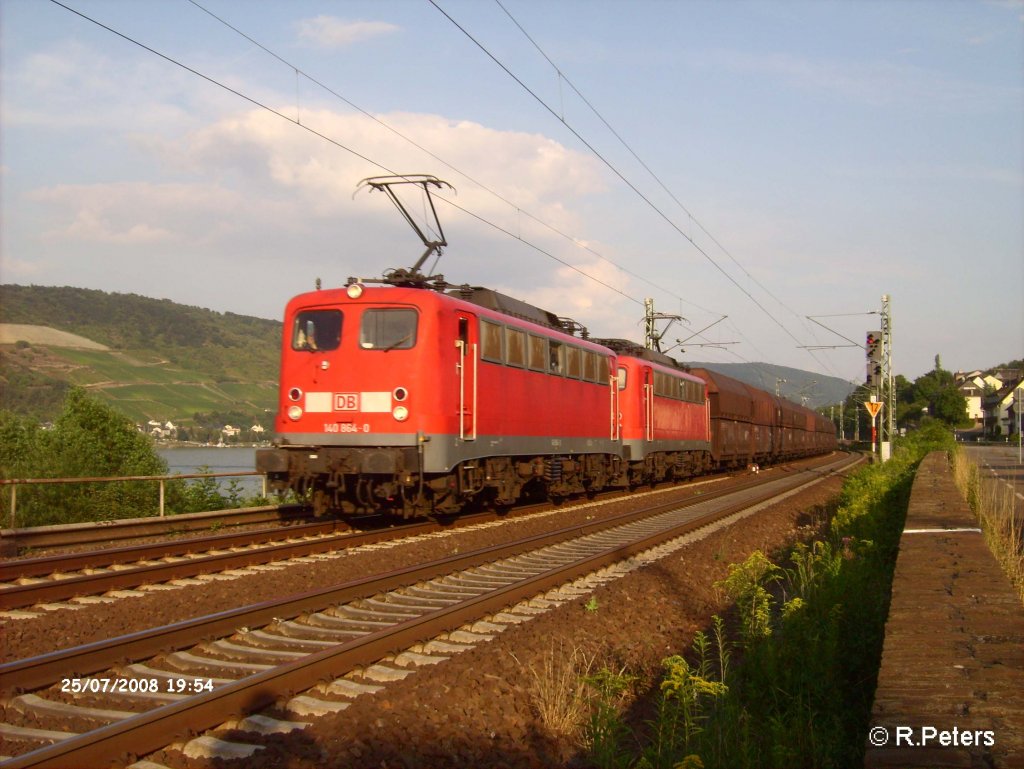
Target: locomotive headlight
<point x="294" y="413"/>
<point x="354" y="291"/>
<point x="401" y="413"/>
<point x="295" y="394"/>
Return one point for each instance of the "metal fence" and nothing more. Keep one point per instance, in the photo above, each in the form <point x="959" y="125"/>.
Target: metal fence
<point x="14" y="483"/>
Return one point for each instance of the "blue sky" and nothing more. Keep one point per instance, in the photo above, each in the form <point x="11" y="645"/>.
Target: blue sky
<point x="802" y="159"/>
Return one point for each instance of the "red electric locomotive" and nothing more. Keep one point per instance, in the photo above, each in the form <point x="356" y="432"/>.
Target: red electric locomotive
<point x="414" y="401"/>
<point x="663" y="412"/>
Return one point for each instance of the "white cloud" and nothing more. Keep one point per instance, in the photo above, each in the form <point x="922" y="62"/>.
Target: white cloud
<point x="577" y="292"/>
<point x="15" y="270"/>
<point x="74" y="86"/>
<point x="258" y="187"/>
<point x="530" y="171"/>
<point x="332" y="32"/>
<point x="136" y="213"/>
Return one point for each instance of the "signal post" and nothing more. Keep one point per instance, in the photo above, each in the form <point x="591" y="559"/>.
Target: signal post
<point x="873" y="406"/>
<point x="880" y="381"/>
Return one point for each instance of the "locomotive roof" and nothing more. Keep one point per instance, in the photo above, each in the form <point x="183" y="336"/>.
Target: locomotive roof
<point x="507" y="305"/>
<point x="634" y="350"/>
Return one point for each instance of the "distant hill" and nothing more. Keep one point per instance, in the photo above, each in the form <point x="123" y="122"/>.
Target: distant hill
<point x="792" y="383"/>
<point x="152" y="359"/>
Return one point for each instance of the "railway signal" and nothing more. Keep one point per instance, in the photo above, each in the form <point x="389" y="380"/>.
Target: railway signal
<point x="873" y="350"/>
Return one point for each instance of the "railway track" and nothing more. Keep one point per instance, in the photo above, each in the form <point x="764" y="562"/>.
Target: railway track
<point x="68" y="580"/>
<point x="70" y="576"/>
<point x="160" y="685"/>
<point x="15" y="542"/>
<point x="42" y="581"/>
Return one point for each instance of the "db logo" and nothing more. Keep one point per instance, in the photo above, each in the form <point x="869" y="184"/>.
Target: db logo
<point x="346" y="401"/>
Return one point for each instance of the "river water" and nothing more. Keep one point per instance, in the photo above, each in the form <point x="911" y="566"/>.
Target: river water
<point x="211" y="459"/>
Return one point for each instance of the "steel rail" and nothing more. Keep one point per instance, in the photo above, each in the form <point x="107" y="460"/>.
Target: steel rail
<point x="19" y="596"/>
<point x="156" y="728"/>
<point x="112" y="556"/>
<point x="42" y="670"/>
<point x="91" y="532"/>
<point x="67" y="587"/>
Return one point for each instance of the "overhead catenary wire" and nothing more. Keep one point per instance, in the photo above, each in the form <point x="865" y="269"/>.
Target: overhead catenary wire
<point x="562" y="77"/>
<point x="668" y="220"/>
<point x="295" y="121"/>
<point x="622" y="177"/>
<point x="577" y="242"/>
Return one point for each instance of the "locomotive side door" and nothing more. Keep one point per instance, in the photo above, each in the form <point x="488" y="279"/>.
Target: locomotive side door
<point x="467" y="347"/>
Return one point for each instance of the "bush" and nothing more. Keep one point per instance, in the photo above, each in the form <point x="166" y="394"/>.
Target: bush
<point x="88" y="440"/>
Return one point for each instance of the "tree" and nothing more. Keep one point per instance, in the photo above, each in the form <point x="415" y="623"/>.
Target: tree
<point x="934" y="394"/>
<point x="950" y="406"/>
<point x="907" y="412"/>
<point x="18" y="443"/>
<point x="88" y="439"/>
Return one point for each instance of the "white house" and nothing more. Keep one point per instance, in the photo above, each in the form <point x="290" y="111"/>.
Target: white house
<point x="1003" y="409"/>
<point x="973" y="385"/>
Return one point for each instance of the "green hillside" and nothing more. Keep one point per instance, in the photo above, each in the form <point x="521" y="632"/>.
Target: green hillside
<point x="165" y="362"/>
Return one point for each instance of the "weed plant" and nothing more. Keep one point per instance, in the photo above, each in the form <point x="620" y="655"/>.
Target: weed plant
<point x="794" y="684"/>
<point x="608" y="736"/>
<point x="558" y="690"/>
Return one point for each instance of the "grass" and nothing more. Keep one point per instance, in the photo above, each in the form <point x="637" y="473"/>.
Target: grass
<point x="126" y="367"/>
<point x="995" y="506"/>
<point x="179" y="402"/>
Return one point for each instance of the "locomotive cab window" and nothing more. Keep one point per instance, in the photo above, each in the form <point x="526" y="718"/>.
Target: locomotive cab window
<point x="317" y="330"/>
<point x="392" y="329"/>
<point x="620" y="378"/>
